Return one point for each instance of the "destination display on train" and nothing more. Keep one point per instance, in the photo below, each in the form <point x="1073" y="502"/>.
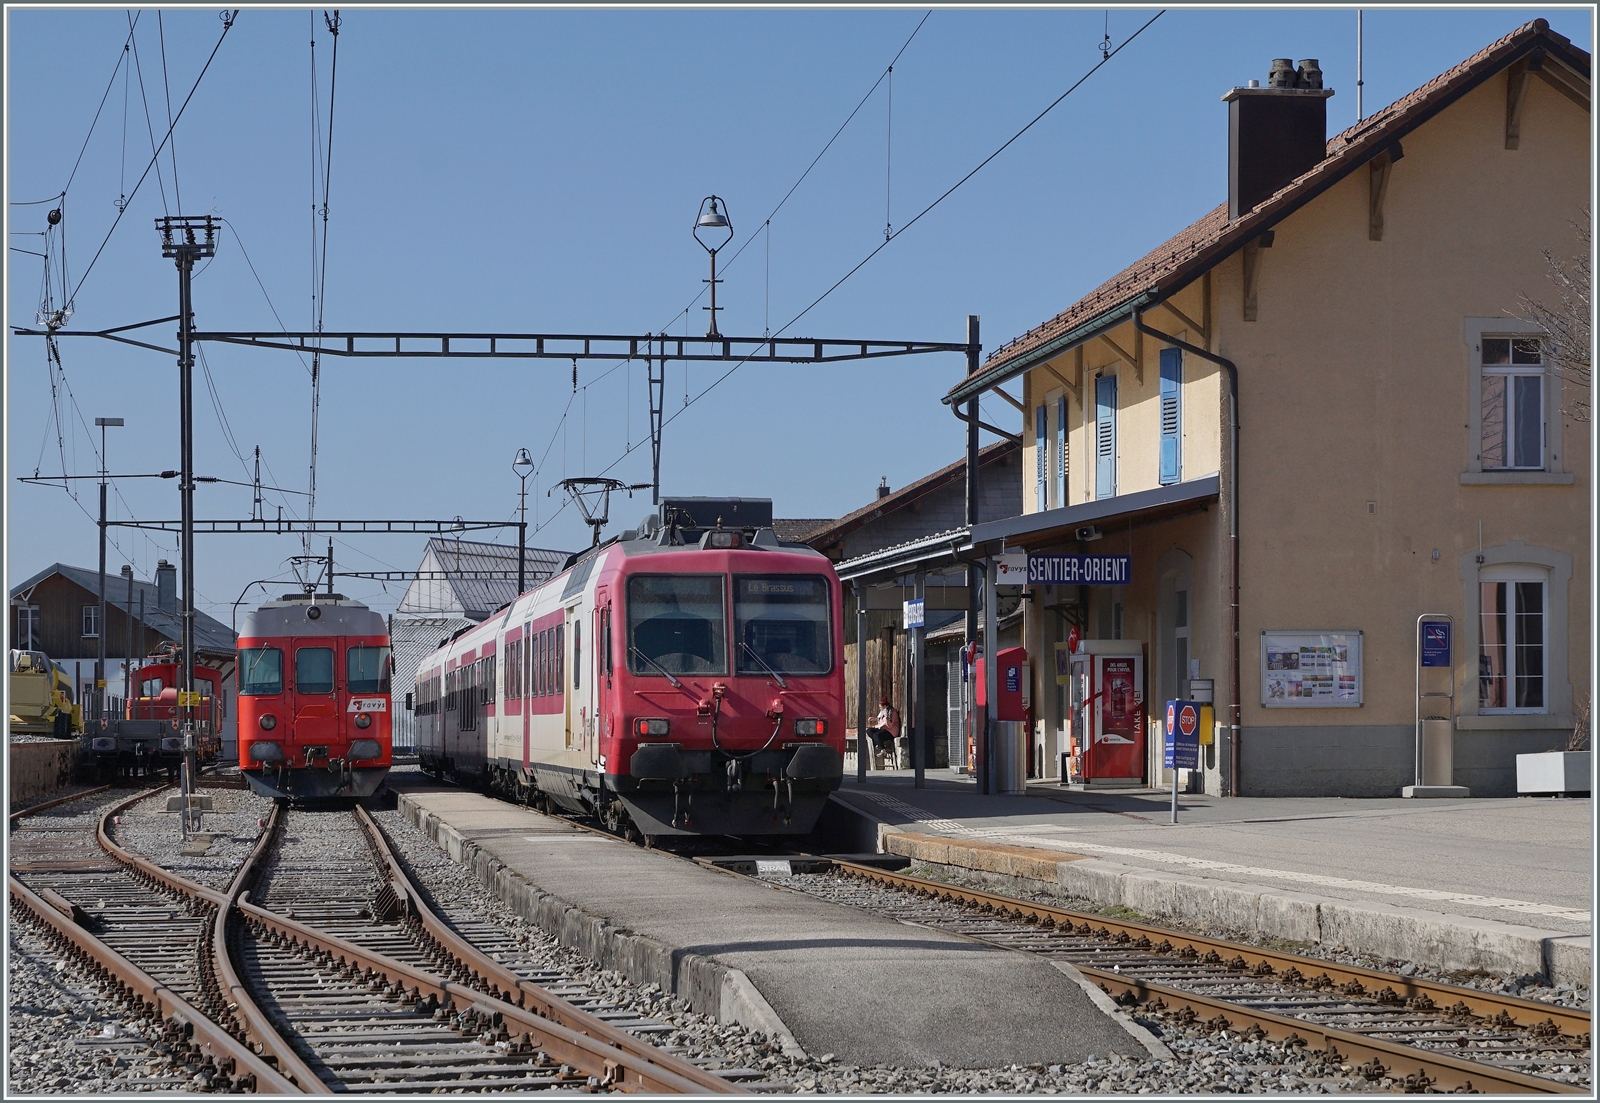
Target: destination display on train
<point x="1080" y="570"/>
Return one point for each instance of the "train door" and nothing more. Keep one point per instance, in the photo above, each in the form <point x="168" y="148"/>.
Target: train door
<point x="525" y="677"/>
<point x="316" y="715"/>
<point x="575" y="683"/>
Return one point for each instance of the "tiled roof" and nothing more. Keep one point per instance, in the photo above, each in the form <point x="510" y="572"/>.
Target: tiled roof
<point x="211" y="636"/>
<point x="879" y="507"/>
<point x="798" y="528"/>
<point x="1202" y="245"/>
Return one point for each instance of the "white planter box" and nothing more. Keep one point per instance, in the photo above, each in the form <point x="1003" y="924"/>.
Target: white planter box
<point x="1553" y="772"/>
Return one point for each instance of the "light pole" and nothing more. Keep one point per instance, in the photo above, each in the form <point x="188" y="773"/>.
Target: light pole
<point x="100" y="625"/>
<point x="127" y="650"/>
<point x="522" y="466"/>
<point x="713" y="222"/>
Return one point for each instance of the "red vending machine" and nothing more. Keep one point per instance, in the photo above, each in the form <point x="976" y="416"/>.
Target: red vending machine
<point x="1014" y="702"/>
<point x="1108" y="712"/>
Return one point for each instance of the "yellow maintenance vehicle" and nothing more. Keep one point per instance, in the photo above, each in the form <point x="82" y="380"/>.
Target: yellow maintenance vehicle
<point x="41" y="698"/>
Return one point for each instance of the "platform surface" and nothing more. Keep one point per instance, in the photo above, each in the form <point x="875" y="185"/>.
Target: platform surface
<point x="866" y="989"/>
<point x="1514" y="860"/>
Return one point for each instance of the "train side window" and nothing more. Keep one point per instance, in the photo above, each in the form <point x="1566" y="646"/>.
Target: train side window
<point x="559" y="651"/>
<point x="313" y="670"/>
<point x="151" y="687"/>
<point x="605" y="639"/>
<point x="577" y="651"/>
<point x="513" y="669"/>
<point x="450" y="690"/>
<point x="367" y="669"/>
<point x="260" y="673"/>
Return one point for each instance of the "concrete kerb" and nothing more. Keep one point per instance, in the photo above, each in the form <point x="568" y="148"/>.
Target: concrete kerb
<point x="1408" y="934"/>
<point x="705" y="984"/>
<point x="1105" y="1003"/>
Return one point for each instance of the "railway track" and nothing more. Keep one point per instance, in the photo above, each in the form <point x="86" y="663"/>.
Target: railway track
<point x="356" y="985"/>
<point x="1420" y="1034"/>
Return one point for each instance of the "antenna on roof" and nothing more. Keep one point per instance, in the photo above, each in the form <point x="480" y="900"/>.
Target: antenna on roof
<point x="1359" y="82"/>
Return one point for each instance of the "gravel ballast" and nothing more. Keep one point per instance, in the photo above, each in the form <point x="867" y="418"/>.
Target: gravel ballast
<point x="1203" y="1062"/>
<point x="233" y="825"/>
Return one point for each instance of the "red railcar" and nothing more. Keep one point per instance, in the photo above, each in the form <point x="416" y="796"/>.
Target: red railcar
<point x="685" y="678"/>
<point x="314" y="673"/>
<point x="148" y="736"/>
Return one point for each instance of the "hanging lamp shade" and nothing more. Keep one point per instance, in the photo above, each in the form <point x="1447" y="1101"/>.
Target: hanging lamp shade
<point x="712" y="219"/>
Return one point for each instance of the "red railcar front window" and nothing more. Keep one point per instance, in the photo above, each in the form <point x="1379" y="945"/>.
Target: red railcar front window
<point x="260" y="671"/>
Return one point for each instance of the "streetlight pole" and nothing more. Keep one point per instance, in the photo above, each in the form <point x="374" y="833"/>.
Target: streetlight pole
<point x="180" y="241"/>
<point x="127" y="651"/>
<point x="522" y="467"/>
<point x="100" y="624"/>
<point x="713" y="221"/>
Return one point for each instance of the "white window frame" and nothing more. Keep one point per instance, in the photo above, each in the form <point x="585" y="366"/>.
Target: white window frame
<point x="27" y="627"/>
<point x="91" y="620"/>
<point x="1478" y="567"/>
<point x="1551" y="473"/>
<point x="1511" y="573"/>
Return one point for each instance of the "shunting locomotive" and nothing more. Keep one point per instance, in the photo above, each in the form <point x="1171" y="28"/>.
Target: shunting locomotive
<point x="148" y="737"/>
<point x="683" y="678"/>
<point x="313" y="682"/>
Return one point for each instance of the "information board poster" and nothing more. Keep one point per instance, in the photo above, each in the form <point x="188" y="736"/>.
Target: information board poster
<point x="1311" y="670"/>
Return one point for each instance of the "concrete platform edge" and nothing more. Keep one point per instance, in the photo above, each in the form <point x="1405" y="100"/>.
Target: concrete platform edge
<point x="1408" y="934"/>
<point x="707" y="985"/>
<point x="1105" y="1003"/>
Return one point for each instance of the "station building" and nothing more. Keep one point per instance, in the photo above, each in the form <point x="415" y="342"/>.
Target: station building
<point x="1405" y="447"/>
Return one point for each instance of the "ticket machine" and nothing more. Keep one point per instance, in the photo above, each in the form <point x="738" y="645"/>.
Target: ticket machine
<point x="1105" y="680"/>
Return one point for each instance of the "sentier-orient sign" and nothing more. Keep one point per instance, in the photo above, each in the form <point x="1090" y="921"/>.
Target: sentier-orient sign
<point x="1080" y="570"/>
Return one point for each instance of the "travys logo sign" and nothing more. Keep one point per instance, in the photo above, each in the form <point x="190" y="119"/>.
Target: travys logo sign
<point x="1080" y="570"/>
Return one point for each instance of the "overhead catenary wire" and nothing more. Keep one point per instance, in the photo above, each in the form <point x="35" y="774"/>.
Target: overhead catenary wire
<point x="229" y="18"/>
<point x="150" y="129"/>
<point x="917" y="218"/>
<point x="166" y="87"/>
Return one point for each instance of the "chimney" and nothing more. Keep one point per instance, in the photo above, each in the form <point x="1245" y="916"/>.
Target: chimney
<point x="883" y="487"/>
<point x="166" y="587"/>
<point x="1275" y="133"/>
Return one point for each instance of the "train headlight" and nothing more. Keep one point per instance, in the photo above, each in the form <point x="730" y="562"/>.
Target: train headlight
<point x="268" y="722"/>
<point x="811" y="727"/>
<point x="266" y="752"/>
<point x="363" y="749"/>
<point x="363" y="720"/>
<point x="650" y="726"/>
<point x="724" y="539"/>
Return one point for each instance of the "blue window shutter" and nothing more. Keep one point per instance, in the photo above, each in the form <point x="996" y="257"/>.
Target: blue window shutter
<point x="1061" y="451"/>
<point x="1171" y="414"/>
<point x="1041" y="455"/>
<point x="1105" y="436"/>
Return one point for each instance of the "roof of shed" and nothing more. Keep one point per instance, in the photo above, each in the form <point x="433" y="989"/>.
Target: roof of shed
<point x="211" y="636"/>
<point x="462" y="560"/>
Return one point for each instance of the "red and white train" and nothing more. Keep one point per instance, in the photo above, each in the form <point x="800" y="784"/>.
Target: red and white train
<point x="685" y="678"/>
<point x="314" y="672"/>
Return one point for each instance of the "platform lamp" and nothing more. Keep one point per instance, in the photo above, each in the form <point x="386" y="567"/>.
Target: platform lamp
<point x="103" y="423"/>
<point x="522" y="467"/>
<point x="712" y="222"/>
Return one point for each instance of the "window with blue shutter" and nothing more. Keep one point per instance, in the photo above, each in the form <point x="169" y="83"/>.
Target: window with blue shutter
<point x="1105" y="436"/>
<point x="1061" y="451"/>
<point x="1171" y="415"/>
<point x="1041" y="456"/>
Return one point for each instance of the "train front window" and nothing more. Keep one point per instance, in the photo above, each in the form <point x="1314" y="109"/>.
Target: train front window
<point x="677" y="624"/>
<point x="366" y="669"/>
<point x="313" y="670"/>
<point x="782" y="624"/>
<point x="260" y="671"/>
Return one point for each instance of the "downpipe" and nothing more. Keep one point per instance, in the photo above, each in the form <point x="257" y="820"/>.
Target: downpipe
<point x="1233" y="529"/>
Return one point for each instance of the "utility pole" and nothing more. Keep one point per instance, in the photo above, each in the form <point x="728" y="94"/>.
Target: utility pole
<point x="255" y="508"/>
<point x="975" y="580"/>
<point x="127" y="651"/>
<point x="100" y="625"/>
<point x="181" y="241"/>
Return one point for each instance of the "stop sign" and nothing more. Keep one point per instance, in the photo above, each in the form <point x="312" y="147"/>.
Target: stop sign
<point x="1188" y="720"/>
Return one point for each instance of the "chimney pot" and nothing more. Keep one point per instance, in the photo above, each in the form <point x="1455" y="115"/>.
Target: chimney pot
<point x="166" y="587"/>
<point x="883" y="487"/>
<point x="1282" y="74"/>
<point x="1310" y="74"/>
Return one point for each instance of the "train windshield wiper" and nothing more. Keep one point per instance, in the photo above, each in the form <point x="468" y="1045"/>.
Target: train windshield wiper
<point x="657" y="665"/>
<point x="764" y="664"/>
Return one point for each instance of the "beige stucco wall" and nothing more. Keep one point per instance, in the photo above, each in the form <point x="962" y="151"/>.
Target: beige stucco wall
<point x="1139" y="407"/>
<point x="1355" y="388"/>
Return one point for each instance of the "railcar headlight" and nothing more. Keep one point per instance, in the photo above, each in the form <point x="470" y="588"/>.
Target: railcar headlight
<point x="268" y="721"/>
<point x="811" y="727"/>
<point x="650" y="726"/>
<point x="363" y="720"/>
<point x="725" y="539"/>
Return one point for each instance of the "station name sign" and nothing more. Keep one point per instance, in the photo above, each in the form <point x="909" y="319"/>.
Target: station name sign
<point x="1080" y="570"/>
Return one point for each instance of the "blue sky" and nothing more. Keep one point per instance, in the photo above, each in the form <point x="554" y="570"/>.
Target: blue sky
<point x="533" y="170"/>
